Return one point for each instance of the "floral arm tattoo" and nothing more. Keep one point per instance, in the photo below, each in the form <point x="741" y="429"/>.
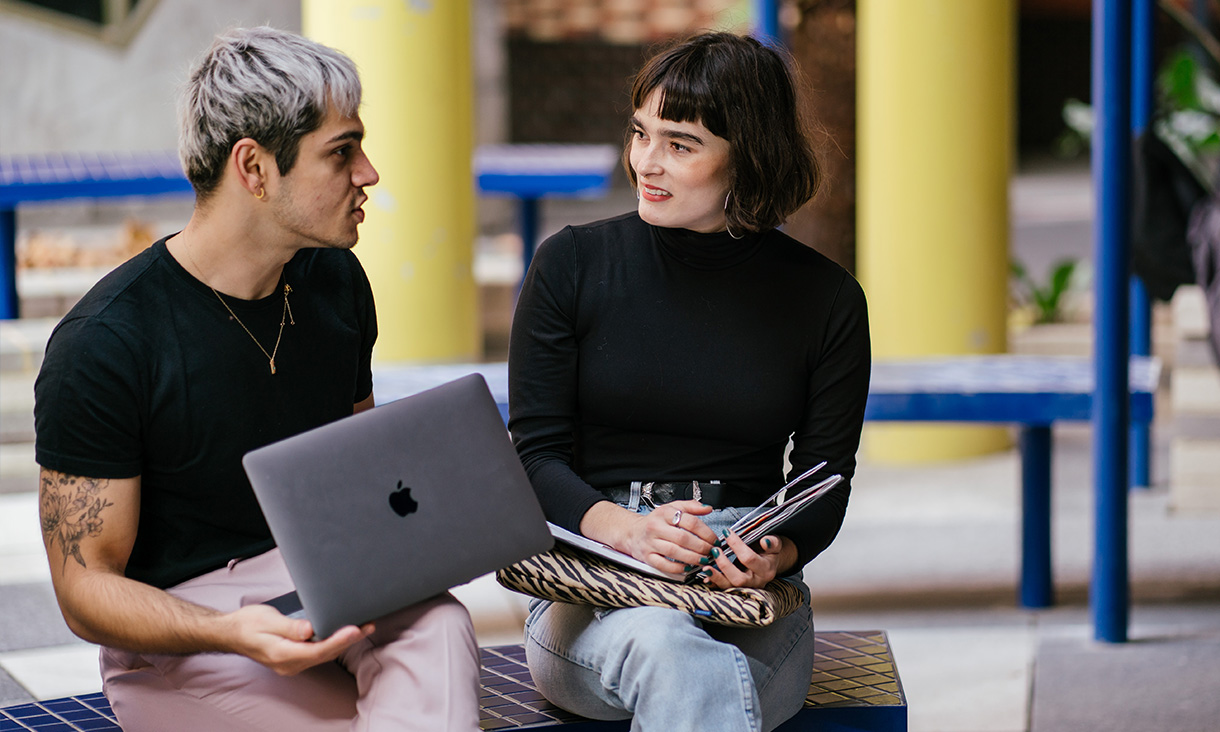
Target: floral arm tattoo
<point x="71" y="509"/>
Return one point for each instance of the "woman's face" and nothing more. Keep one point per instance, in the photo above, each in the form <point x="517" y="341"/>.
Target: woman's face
<point x="682" y="170"/>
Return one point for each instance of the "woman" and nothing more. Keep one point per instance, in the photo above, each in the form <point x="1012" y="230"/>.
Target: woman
<point x="679" y="345"/>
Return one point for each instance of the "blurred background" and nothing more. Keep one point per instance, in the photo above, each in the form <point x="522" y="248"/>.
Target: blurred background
<point x="956" y="139"/>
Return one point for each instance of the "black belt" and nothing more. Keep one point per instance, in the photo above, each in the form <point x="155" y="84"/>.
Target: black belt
<point x="715" y="494"/>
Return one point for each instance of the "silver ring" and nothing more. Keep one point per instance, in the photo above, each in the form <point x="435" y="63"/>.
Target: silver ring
<point x="677" y="518"/>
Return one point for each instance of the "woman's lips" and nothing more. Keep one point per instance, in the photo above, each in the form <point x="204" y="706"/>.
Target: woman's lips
<point x="649" y="193"/>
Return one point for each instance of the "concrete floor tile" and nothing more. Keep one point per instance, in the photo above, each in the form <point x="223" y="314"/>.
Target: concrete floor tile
<point x="11" y="692"/>
<point x="965" y="680"/>
<point x="1165" y="684"/>
<point x="49" y="673"/>
<point x="30" y="618"/>
<point x="22" y="558"/>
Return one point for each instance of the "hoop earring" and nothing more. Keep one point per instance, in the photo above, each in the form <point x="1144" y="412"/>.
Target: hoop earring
<point x="261" y="192"/>
<point x="726" y="216"/>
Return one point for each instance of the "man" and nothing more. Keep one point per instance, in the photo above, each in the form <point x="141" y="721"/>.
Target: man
<point x="254" y="323"/>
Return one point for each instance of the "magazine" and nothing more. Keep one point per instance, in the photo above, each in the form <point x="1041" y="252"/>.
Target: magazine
<point x="759" y="522"/>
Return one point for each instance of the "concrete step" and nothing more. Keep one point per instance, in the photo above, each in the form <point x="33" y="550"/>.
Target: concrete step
<point x="17" y="406"/>
<point x="22" y="343"/>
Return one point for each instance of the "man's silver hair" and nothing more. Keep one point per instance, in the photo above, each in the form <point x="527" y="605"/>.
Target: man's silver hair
<point x="265" y="84"/>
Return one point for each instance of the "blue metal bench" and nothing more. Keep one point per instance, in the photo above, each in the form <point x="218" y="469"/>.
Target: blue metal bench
<point x="527" y="172"/>
<point x="52" y="177"/>
<point x="854" y="688"/>
<point x="1033" y="392"/>
<point x="533" y="172"/>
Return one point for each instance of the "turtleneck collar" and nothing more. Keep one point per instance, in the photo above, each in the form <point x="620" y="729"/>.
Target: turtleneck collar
<point x="717" y="250"/>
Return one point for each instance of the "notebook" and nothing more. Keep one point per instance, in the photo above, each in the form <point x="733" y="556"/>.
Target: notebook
<point x="766" y="518"/>
<point x="383" y="509"/>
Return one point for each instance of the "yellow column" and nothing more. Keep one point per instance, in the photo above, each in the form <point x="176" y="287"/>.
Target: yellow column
<point x="417" y="240"/>
<point x="935" y="137"/>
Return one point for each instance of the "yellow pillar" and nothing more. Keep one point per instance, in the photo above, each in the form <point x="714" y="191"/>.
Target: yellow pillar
<point x="417" y="240"/>
<point x="935" y="138"/>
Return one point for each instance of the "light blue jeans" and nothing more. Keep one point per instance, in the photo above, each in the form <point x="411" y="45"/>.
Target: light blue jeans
<point x="668" y="671"/>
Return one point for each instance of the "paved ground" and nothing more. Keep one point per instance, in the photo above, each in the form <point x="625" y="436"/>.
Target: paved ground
<point x="929" y="554"/>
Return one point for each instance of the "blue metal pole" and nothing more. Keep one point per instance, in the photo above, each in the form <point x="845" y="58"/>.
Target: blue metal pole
<point x="1037" y="583"/>
<point x="528" y="211"/>
<point x="1141" y="309"/>
<point x="9" y="307"/>
<point x="1111" y="244"/>
<point x="766" y="20"/>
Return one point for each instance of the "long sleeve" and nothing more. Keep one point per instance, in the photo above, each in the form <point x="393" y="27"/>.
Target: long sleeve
<point x="542" y="368"/>
<point x="834" y="417"/>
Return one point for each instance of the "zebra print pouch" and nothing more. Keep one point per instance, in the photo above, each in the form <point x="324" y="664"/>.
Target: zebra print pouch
<point x="568" y="574"/>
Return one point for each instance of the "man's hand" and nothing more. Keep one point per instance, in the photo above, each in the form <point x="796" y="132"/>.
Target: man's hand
<point x="282" y="644"/>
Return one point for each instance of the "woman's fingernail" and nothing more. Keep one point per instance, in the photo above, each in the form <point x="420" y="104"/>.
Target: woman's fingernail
<point x="725" y="533"/>
<point x="687" y="567"/>
<point x="715" y="552"/>
<point x="705" y="560"/>
<point x="766" y="544"/>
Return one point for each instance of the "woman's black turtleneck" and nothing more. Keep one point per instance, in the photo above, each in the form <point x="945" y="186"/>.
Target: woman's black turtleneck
<point x="642" y="353"/>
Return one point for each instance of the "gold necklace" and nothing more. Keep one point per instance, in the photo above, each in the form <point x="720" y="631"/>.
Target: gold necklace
<point x="285" y="316"/>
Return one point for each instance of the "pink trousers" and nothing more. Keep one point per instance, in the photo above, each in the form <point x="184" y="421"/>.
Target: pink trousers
<point x="418" y="671"/>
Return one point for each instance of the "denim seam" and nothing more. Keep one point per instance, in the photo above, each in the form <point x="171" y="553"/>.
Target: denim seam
<point x="748" y="689"/>
<point x="795" y="641"/>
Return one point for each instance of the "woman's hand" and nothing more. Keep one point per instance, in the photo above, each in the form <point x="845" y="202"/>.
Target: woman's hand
<point x="777" y="556"/>
<point x="671" y="538"/>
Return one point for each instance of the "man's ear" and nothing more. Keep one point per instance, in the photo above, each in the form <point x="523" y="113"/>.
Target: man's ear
<point x="252" y="163"/>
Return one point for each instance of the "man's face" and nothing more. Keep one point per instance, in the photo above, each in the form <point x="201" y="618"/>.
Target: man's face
<point x="321" y="197"/>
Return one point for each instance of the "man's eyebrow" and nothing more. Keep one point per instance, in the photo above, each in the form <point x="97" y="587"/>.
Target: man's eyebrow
<point x="356" y="135"/>
<point x="671" y="133"/>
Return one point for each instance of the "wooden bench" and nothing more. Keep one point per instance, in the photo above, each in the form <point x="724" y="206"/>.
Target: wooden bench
<point x="854" y="688"/>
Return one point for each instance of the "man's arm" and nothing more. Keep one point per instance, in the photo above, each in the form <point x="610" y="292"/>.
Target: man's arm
<point x="89" y="527"/>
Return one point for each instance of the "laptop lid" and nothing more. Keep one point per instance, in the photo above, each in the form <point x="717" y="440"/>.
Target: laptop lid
<point x="383" y="509"/>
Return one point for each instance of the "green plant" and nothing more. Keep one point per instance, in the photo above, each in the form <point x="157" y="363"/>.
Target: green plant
<point x="1046" y="301"/>
<point x="1187" y="116"/>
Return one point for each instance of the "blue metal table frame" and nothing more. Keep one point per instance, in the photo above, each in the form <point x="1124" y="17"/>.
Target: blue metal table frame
<point x="63" y="177"/>
<point x="526" y="172"/>
<point x="532" y="172"/>
<point x="1033" y="392"/>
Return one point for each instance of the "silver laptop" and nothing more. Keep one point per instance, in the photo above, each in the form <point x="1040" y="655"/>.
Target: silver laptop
<point x="386" y="508"/>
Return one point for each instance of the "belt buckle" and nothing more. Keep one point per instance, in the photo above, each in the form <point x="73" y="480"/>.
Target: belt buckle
<point x="646" y="492"/>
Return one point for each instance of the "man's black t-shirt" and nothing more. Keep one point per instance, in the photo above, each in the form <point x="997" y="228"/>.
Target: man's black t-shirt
<point x="150" y="376"/>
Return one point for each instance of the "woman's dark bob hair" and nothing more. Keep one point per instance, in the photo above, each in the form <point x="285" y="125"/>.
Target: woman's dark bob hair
<point x="744" y="92"/>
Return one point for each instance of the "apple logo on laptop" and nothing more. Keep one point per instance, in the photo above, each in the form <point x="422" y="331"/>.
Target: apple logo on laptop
<point x="402" y="502"/>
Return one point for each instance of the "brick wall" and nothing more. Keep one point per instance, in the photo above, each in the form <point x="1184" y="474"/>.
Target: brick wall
<point x="571" y="62"/>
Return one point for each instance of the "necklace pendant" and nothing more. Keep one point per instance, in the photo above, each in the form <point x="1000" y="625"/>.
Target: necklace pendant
<point x="273" y="367"/>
